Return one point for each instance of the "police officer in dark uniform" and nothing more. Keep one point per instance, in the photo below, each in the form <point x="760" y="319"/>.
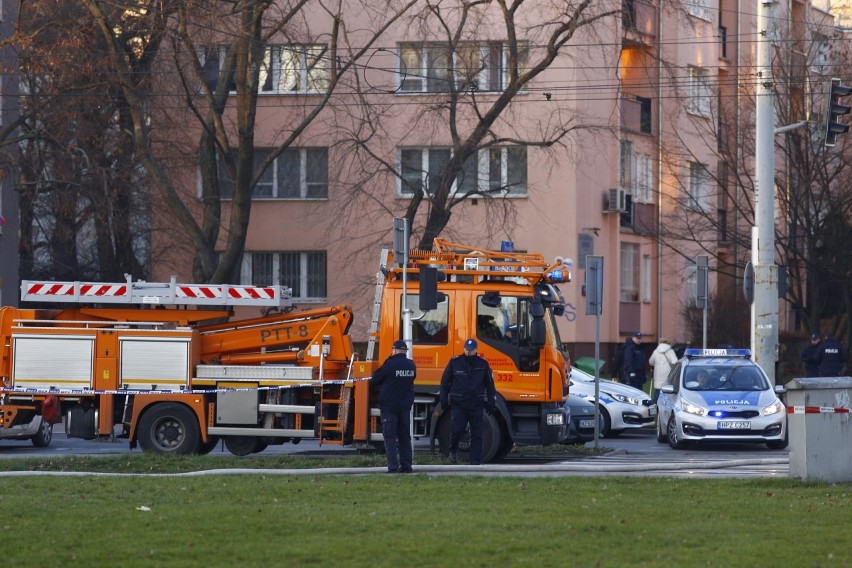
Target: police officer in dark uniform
<point x="467" y="389"/>
<point x="395" y="381"/>
<point x="832" y="356"/>
<point x="810" y="357"/>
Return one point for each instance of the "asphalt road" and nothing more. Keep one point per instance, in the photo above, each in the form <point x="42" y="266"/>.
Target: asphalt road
<point x="635" y="453"/>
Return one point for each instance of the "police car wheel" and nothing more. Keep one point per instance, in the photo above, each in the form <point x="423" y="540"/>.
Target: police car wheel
<point x="606" y="422"/>
<point x="661" y="436"/>
<point x="671" y="431"/>
<point x="42" y="438"/>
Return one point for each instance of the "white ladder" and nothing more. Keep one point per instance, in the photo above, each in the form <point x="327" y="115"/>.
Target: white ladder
<point x="156" y="293"/>
<point x="377" y="305"/>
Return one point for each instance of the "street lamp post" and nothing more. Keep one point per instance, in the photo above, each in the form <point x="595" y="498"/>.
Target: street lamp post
<point x="764" y="309"/>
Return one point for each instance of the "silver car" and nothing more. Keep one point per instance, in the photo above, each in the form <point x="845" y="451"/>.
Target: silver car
<point x="621" y="406"/>
<point x="722" y="395"/>
<point x="38" y="431"/>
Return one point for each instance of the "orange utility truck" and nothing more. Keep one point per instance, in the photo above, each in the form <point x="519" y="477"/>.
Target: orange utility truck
<point x="169" y="367"/>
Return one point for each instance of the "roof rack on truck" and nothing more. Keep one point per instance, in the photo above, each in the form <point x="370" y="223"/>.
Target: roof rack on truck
<point x="452" y="258"/>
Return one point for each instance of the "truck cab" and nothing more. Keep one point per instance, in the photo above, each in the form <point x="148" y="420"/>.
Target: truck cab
<point x="513" y="319"/>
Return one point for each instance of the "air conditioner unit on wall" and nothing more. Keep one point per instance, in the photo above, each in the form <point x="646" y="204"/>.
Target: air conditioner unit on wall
<point x="616" y="201"/>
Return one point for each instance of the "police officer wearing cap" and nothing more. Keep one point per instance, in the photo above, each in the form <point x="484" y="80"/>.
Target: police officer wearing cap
<point x="467" y="389"/>
<point x="395" y="381"/>
<point x="810" y="357"/>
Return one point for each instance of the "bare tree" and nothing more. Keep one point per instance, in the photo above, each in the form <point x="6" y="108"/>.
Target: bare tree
<point x="84" y="212"/>
<point x="471" y="88"/>
<point x="813" y="184"/>
<point x="219" y="52"/>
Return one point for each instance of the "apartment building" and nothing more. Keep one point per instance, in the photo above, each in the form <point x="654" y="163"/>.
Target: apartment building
<point x="629" y="145"/>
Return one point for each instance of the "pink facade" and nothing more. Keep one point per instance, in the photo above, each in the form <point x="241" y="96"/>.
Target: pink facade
<point x="650" y="110"/>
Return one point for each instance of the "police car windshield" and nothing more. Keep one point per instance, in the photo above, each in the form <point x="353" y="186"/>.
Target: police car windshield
<point x="736" y="378"/>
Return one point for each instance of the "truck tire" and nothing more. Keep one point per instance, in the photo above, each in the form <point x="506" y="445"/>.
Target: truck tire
<point x="244" y="445"/>
<point x="42" y="438"/>
<point x="169" y="428"/>
<point x="492" y="439"/>
<point x="205" y="448"/>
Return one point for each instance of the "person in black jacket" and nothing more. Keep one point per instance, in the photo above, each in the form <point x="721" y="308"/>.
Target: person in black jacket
<point x="467" y="389"/>
<point x="395" y="380"/>
<point x="810" y="357"/>
<point x="634" y="362"/>
<point x="831" y="356"/>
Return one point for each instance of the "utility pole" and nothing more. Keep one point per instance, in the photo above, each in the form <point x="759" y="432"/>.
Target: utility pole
<point x="764" y="309"/>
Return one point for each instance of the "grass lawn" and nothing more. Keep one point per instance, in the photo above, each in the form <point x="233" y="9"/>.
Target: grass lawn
<point x="415" y="520"/>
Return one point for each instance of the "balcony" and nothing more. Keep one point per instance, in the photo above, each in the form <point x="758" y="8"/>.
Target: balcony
<point x="639" y="19"/>
<point x="636" y="114"/>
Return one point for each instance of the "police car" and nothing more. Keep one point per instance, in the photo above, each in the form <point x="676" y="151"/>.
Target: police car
<point x="621" y="406"/>
<point x="720" y="394"/>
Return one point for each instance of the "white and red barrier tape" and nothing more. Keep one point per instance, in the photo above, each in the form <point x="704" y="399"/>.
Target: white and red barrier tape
<point x="816" y="410"/>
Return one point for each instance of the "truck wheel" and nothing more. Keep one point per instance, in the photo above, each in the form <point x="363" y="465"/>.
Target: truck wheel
<point x="169" y="428"/>
<point x="209" y="446"/>
<point x="244" y="445"/>
<point x="491" y="439"/>
<point x="506" y="445"/>
<point x="42" y="438"/>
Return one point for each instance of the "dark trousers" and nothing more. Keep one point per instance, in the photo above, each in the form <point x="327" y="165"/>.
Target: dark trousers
<point x="460" y="418"/>
<point x="396" y="429"/>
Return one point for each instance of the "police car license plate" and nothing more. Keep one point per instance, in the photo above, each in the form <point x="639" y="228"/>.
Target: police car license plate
<point x="587" y="423"/>
<point x="733" y="425"/>
<point x="652" y="410"/>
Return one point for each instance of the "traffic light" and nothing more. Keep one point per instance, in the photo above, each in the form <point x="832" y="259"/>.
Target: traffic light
<point x="835" y="109"/>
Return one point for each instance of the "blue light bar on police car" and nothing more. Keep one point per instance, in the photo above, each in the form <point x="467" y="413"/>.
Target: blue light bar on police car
<point x="717" y="353"/>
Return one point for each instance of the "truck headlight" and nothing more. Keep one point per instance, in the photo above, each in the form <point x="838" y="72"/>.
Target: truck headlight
<point x="555" y="419"/>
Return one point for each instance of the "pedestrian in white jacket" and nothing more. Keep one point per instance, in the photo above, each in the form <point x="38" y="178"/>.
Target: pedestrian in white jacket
<point x="661" y="361"/>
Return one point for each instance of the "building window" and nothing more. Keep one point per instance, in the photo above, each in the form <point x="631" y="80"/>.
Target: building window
<point x="643" y="191"/>
<point x="297" y="173"/>
<point x="284" y="68"/>
<point x="500" y="171"/>
<point x="646" y="278"/>
<point x="471" y="66"/>
<point x="699" y="9"/>
<point x="698" y="98"/>
<point x="303" y="272"/>
<point x="699" y="187"/>
<point x="629" y="273"/>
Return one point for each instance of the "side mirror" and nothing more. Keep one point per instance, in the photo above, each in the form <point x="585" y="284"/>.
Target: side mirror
<point x="492" y="299"/>
<point x="668" y="389"/>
